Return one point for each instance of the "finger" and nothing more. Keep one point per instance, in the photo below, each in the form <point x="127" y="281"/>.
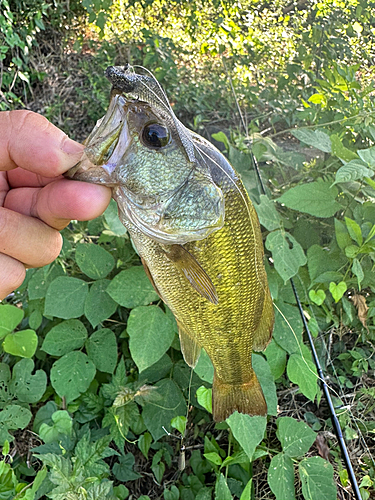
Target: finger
<point x="19" y="177"/>
<point x="27" y="239"/>
<point x="12" y="274"/>
<point x="59" y="202"/>
<point x="30" y="141"/>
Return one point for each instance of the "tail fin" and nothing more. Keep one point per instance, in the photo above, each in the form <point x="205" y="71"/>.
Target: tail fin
<point x="245" y="398"/>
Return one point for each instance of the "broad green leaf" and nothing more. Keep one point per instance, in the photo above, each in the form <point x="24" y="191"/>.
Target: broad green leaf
<point x="179" y="423"/>
<point x="354" y="230"/>
<point x="41" y="280"/>
<point x="281" y="477"/>
<point x="368" y="156"/>
<point x="44" y="415"/>
<point x="302" y="371"/>
<point x="316" y="138"/>
<point x="263" y="372"/>
<point x="22" y="343"/>
<point x="132" y="288"/>
<point x="151" y="334"/>
<point x="267" y="213"/>
<point x="35" y="319"/>
<point x="123" y="470"/>
<point x="144" y="443"/>
<point x="72" y="375"/>
<point x="101" y="348"/>
<point x="157" y="371"/>
<point x="99" y="306"/>
<point x="204" y="368"/>
<point x="358" y="271"/>
<point x="158" y="414"/>
<point x="314" y="198"/>
<point x="213" y="457"/>
<point x="28" y="388"/>
<point x="342" y="234"/>
<point x="288" y="328"/>
<point x="12" y="417"/>
<point x="317" y="479"/>
<point x="204" y="398"/>
<point x="221" y="137"/>
<point x="62" y="426"/>
<point x="338" y="290"/>
<point x="94" y="261"/>
<point x="65" y="337"/>
<point x="66" y="297"/>
<point x="341" y="151"/>
<point x="276" y="359"/>
<point x="10" y="317"/>
<point x="352" y="171"/>
<point x="296" y="437"/>
<point x="318" y="297"/>
<point x="113" y="221"/>
<point x="247" y="492"/>
<point x="222" y="491"/>
<point x="287" y="253"/>
<point x="248" y="431"/>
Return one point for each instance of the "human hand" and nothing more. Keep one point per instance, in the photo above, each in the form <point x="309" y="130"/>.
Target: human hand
<point x="36" y="202"/>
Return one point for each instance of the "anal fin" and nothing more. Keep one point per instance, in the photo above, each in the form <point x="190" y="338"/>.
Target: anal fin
<point x="193" y="271"/>
<point x="263" y="334"/>
<point x="189" y="347"/>
<point x="244" y="398"/>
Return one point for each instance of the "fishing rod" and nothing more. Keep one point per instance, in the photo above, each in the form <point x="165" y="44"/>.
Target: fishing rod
<point x="327" y="394"/>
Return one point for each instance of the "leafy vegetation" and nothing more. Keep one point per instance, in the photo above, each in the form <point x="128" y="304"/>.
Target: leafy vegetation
<point x="95" y="398"/>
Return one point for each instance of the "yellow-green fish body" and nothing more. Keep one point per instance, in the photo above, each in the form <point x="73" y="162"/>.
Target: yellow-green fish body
<point x="205" y="263"/>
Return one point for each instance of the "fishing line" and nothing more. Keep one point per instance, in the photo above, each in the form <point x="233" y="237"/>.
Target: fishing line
<point x="334" y="419"/>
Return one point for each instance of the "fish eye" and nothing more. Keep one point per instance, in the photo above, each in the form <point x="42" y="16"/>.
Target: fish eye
<point x="155" y="135"/>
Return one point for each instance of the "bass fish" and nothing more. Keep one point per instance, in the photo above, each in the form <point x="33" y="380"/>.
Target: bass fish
<point x="195" y="229"/>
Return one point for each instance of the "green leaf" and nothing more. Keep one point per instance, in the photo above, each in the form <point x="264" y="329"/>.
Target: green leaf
<point x="204" y="368"/>
<point x="318" y="297"/>
<point x="221" y="137"/>
<point x="214" y="458"/>
<point x="314" y="198"/>
<point x="65" y="337"/>
<point x="123" y="470"/>
<point x="12" y="417"/>
<point x="302" y="371"/>
<point x="352" y="171"/>
<point x="341" y="151"/>
<point x="281" y="477"/>
<point x="354" y="230"/>
<point x="287" y="253"/>
<point x="132" y="288"/>
<point x="65" y="298"/>
<point x="99" y="306"/>
<point x="22" y="343"/>
<point x="288" y="328"/>
<point x="316" y="138"/>
<point x="158" y="414"/>
<point x="267" y="213"/>
<point x="151" y="334"/>
<point x="248" y="431"/>
<point x="27" y="387"/>
<point x="247" y="492"/>
<point x="338" y="290"/>
<point x="144" y="443"/>
<point x="41" y="280"/>
<point x="276" y="359"/>
<point x="179" y="423"/>
<point x="358" y="271"/>
<point x="35" y="319"/>
<point x="101" y="348"/>
<point x="94" y="261"/>
<point x="296" y="437"/>
<point x="204" y="398"/>
<point x="62" y="426"/>
<point x="113" y="221"/>
<point x="222" y="492"/>
<point x="263" y="372"/>
<point x="10" y="317"/>
<point x="72" y="375"/>
<point x="368" y="156"/>
<point x="342" y="235"/>
<point x="317" y="479"/>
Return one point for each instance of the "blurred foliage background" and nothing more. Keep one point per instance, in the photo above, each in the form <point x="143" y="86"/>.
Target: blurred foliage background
<point x="95" y="399"/>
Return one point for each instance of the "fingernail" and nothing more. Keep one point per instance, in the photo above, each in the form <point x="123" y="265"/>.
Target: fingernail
<point x="71" y="147"/>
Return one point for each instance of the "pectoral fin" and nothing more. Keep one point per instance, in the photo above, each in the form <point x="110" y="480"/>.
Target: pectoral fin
<point x="193" y="271"/>
<point x="190" y="349"/>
